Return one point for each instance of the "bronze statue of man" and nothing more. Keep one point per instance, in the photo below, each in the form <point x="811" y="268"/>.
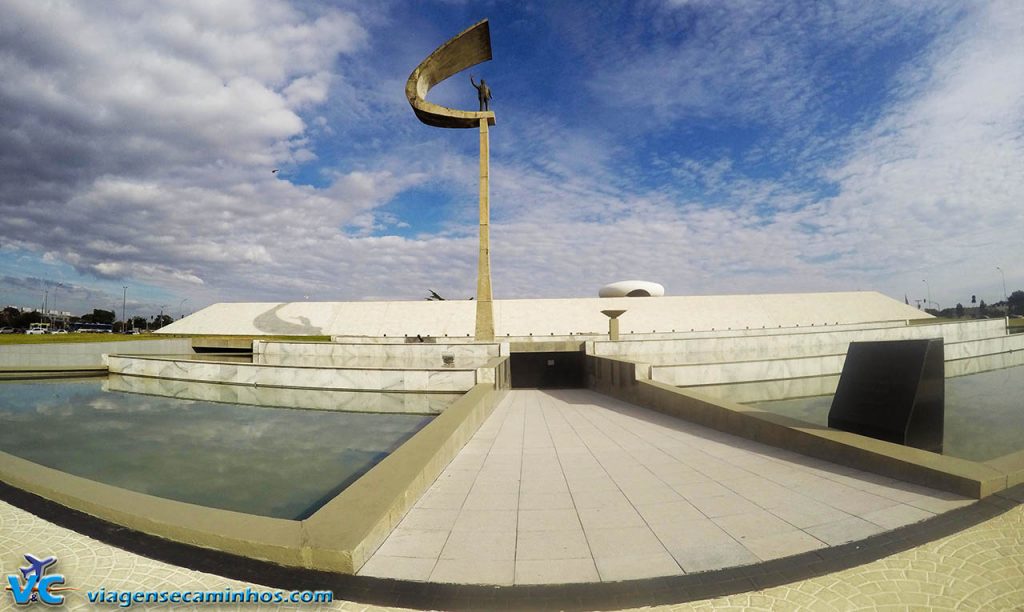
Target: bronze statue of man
<point x="483" y="93"/>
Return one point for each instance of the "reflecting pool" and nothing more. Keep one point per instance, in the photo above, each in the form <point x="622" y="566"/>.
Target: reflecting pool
<point x="270" y="461"/>
<point x="984" y="413"/>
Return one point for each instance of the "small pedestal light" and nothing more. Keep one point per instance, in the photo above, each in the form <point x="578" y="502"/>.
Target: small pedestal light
<point x="613" y="323"/>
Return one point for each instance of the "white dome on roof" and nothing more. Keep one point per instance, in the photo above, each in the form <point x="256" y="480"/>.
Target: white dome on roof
<point x="632" y="288"/>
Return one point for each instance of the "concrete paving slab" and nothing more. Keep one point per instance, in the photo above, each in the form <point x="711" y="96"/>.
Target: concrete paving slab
<point x="429" y="518"/>
<point x="419" y="543"/>
<point x="706" y="557"/>
<point x="623" y="541"/>
<point x="844" y="530"/>
<point x="897" y="516"/>
<point x="480" y="545"/>
<point x="635" y="566"/>
<point x="552" y="545"/>
<point x="400" y="568"/>
<point x="564" y="519"/>
<point x="643" y="485"/>
<point x="560" y="571"/>
<point x="474" y="571"/>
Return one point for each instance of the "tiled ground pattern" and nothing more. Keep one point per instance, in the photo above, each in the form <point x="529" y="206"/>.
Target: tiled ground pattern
<point x="574" y="486"/>
<point x="980" y="568"/>
<point x="89" y="564"/>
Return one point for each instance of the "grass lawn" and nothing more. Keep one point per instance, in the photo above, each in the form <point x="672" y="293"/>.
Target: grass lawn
<point x="935" y="320"/>
<point x="68" y="338"/>
<point x="71" y="338"/>
<point x="1018" y="323"/>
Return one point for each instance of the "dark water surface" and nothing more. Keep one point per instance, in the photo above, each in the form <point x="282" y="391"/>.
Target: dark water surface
<point x="984" y="413"/>
<point x="276" y="462"/>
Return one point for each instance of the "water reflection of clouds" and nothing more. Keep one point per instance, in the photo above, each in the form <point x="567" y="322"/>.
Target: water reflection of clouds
<point x="140" y="404"/>
<point x="270" y="461"/>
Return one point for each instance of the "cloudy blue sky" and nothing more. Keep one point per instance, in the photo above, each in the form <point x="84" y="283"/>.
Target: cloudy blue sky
<point x="712" y="146"/>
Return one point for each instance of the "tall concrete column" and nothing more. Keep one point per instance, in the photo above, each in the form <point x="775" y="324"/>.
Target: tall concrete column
<point x="484" y="301"/>
<point x="469" y="48"/>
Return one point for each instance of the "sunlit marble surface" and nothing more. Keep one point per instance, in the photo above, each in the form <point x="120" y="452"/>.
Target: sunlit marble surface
<point x="312" y="377"/>
<point x="429" y="352"/>
<point x="309" y="399"/>
<point x="728" y="347"/>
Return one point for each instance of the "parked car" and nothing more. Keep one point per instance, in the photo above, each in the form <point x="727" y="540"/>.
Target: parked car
<point x="59" y="331"/>
<point x="6" y="330"/>
<point x="38" y="328"/>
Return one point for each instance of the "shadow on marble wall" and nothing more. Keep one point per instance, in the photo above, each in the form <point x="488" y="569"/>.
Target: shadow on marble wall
<point x="269" y="322"/>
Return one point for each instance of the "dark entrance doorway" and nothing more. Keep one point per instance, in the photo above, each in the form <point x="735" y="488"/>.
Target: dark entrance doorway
<point x="547" y="370"/>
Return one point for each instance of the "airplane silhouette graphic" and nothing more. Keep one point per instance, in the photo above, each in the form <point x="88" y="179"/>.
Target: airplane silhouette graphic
<point x="36" y="566"/>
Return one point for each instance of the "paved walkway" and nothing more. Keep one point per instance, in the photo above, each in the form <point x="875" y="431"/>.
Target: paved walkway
<point x="575" y="486"/>
<point x="979" y="568"/>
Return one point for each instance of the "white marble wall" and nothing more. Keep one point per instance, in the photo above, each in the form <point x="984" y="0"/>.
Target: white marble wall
<point x="984" y="363"/>
<point x="278" y="397"/>
<point x="987" y="346"/>
<point x="766" y="391"/>
<point x="447" y="380"/>
<point x="745" y="371"/>
<point x="687" y="334"/>
<point x="383" y="351"/>
<point x="712" y="373"/>
<point x="679" y="334"/>
<point x="72" y="355"/>
<point x="419" y="362"/>
<point x="729" y="348"/>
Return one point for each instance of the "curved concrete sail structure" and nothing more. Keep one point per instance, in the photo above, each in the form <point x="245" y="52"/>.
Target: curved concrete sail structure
<point x="469" y="48"/>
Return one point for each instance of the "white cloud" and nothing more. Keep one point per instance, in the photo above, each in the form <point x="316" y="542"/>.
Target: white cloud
<point x="138" y="139"/>
<point x="755" y="62"/>
<point x="934" y="187"/>
<point x="307" y="90"/>
<point x="930" y="189"/>
<point x="137" y="142"/>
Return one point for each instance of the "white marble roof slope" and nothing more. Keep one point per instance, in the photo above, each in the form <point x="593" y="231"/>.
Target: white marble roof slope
<point x="543" y="317"/>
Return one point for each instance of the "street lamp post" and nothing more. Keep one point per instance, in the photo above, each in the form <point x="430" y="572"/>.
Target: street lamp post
<point x="1003" y="275"/>
<point x="927" y="286"/>
<point x="124" y="302"/>
<point x="180" y="307"/>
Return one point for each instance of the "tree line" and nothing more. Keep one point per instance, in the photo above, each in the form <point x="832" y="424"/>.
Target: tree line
<point x="13" y="317"/>
<point x="1012" y="306"/>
